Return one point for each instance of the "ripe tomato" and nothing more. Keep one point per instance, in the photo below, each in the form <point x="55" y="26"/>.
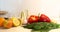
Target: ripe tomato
<point x="33" y="19"/>
<point x="44" y="18"/>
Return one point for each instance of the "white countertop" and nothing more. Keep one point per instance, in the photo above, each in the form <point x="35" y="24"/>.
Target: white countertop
<point x="15" y="29"/>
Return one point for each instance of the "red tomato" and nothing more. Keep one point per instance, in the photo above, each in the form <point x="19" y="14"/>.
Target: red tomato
<point x="44" y="18"/>
<point x="33" y="19"/>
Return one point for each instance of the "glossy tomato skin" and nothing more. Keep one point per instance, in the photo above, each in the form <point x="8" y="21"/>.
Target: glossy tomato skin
<point x="44" y="18"/>
<point x="33" y="19"/>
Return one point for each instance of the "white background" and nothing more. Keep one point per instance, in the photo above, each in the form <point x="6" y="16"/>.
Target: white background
<point x="49" y="7"/>
<point x="11" y="6"/>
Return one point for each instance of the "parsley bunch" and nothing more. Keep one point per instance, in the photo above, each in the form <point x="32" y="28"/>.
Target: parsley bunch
<point x="42" y="26"/>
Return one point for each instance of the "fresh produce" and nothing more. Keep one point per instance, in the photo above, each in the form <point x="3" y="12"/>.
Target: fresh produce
<point x="1" y="21"/>
<point x="44" y="18"/>
<point x="41" y="26"/>
<point x="21" y="22"/>
<point x="33" y="19"/>
<point x="40" y="31"/>
<point x="16" y="22"/>
<point x="23" y="17"/>
<point x="8" y="23"/>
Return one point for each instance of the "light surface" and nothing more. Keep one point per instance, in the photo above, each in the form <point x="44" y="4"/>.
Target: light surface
<point x="15" y="29"/>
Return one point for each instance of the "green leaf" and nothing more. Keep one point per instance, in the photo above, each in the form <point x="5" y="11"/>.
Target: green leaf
<point x="42" y="26"/>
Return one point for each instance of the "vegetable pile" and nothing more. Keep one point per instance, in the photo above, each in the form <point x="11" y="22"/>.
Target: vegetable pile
<point x="10" y="22"/>
<point x="42" y="18"/>
<point x="41" y="24"/>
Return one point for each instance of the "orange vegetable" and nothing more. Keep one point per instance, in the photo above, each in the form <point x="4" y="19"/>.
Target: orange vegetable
<point x="1" y="21"/>
<point x="8" y="23"/>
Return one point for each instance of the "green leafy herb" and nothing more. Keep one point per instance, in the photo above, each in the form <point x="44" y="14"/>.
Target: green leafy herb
<point x="41" y="26"/>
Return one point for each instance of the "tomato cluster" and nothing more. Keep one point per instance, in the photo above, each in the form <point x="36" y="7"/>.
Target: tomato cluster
<point x="42" y="18"/>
